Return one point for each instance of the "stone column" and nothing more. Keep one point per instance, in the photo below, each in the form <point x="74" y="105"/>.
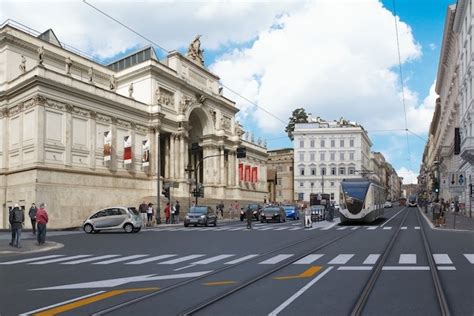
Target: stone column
<point x="230" y="166"/>
<point x="181" y="157"/>
<point x="93" y="145"/>
<point x="235" y="176"/>
<point x="172" y="157"/>
<point x="68" y="150"/>
<point x="167" y="157"/>
<point x="40" y="132"/>
<point x="222" y="168"/>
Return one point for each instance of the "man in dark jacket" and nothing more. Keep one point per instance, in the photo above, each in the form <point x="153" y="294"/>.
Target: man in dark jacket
<point x="249" y="217"/>
<point x="16" y="218"/>
<point x="32" y="214"/>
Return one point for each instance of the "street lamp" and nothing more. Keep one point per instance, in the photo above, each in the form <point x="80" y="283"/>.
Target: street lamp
<point x="189" y="169"/>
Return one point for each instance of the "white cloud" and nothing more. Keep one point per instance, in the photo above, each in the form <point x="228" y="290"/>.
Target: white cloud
<point x="409" y="176"/>
<point x="432" y="46"/>
<point x="332" y="58"/>
<point x="419" y="118"/>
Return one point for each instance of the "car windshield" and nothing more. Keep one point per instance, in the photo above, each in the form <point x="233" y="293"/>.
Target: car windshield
<point x="253" y="206"/>
<point x="198" y="209"/>
<point x="289" y="208"/>
<point x="317" y="208"/>
<point x="133" y="211"/>
<point x="271" y="209"/>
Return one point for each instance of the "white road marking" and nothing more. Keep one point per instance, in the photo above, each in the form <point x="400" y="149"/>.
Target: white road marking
<point x="120" y="281"/>
<point x="213" y="259"/>
<point x="387" y="228"/>
<point x="405" y="268"/>
<point x="407" y="258"/>
<point x="372" y="227"/>
<point x="61" y="303"/>
<point x="329" y="227"/>
<point x="60" y="259"/>
<point x="299" y="293"/>
<point x="313" y="228"/>
<point x="90" y="259"/>
<point x="146" y="260"/>
<point x="182" y="259"/>
<point x="469" y="257"/>
<point x="265" y="228"/>
<point x="245" y="258"/>
<point x="354" y="228"/>
<point x="371" y="259"/>
<point x="120" y="259"/>
<point x="282" y="228"/>
<point x="417" y="227"/>
<point x="342" y="228"/>
<point x="309" y="259"/>
<point x="30" y="259"/>
<point x="296" y="228"/>
<point x="295" y="224"/>
<point x="448" y="268"/>
<point x="276" y="259"/>
<point x="403" y="228"/>
<point x="237" y="228"/>
<point x="441" y="258"/>
<point x="341" y="259"/>
<point x="355" y="268"/>
<point x="392" y="217"/>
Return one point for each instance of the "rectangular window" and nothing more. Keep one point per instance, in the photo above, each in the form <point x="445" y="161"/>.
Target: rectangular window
<point x="341" y="156"/>
<point x="332" y="196"/>
<point x="351" y="143"/>
<point x="332" y="183"/>
<point x="312" y="184"/>
<point x="311" y="143"/>
<point x="342" y="171"/>
<point x="313" y="171"/>
<point x="301" y="156"/>
<point x="291" y="168"/>
<point x="311" y="157"/>
<point x="279" y="193"/>
<point x="323" y="171"/>
<point x="301" y="184"/>
<point x="279" y="181"/>
<point x="333" y="156"/>
<point x="351" y="171"/>
<point x="341" y="143"/>
<point x="333" y="143"/>
<point x="323" y="157"/>
<point x="301" y="143"/>
<point x="301" y="171"/>
<point x="333" y="171"/>
<point x="323" y="143"/>
<point x="351" y="156"/>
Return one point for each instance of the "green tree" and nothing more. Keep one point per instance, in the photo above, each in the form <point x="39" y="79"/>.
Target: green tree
<point x="298" y="116"/>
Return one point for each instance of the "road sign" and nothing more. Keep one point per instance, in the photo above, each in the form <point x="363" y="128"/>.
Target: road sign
<point x="457" y="180"/>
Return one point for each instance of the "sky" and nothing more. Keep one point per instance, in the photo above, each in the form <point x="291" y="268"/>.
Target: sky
<point x="335" y="58"/>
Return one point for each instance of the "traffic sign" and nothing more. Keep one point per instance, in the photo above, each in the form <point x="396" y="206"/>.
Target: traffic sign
<point x="457" y="180"/>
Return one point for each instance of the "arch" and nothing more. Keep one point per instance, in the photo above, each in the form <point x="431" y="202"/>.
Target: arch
<point x="204" y="117"/>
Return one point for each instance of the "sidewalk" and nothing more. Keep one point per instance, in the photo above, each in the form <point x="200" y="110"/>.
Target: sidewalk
<point x="27" y="246"/>
<point x="454" y="221"/>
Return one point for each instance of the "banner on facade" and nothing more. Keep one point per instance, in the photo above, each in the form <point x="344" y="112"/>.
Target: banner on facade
<point x="255" y="174"/>
<point x="145" y="153"/>
<point x="107" y="145"/>
<point x="127" y="150"/>
<point x="247" y="173"/>
<point x="241" y="171"/>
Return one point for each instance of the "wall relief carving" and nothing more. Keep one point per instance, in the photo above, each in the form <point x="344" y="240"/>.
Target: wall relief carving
<point x="164" y="97"/>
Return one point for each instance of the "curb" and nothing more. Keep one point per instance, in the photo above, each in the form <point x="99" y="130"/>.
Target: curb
<point x="426" y="218"/>
<point x="51" y="245"/>
<point x="441" y="228"/>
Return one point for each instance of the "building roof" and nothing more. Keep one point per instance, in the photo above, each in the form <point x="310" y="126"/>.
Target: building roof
<point x="134" y="58"/>
<point x="50" y="37"/>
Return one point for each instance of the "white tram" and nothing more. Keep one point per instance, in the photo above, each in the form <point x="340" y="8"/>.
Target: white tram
<point x="361" y="200"/>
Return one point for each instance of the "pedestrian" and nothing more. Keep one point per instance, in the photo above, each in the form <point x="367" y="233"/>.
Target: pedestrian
<point x="143" y="211"/>
<point x="167" y="213"/>
<point x="32" y="214"/>
<point x="221" y="209"/>
<point x="41" y="221"/>
<point x="330" y="209"/>
<point x="177" y="208"/>
<point x="436" y="208"/>
<point x="17" y="219"/>
<point x="249" y="217"/>
<point x="236" y="208"/>
<point x="149" y="214"/>
<point x="307" y="216"/>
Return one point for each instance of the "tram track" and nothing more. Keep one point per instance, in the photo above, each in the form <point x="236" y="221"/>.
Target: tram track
<point x="361" y="302"/>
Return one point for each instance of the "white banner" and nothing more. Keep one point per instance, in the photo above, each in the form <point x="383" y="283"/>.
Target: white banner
<point x="107" y="145"/>
<point x="145" y="153"/>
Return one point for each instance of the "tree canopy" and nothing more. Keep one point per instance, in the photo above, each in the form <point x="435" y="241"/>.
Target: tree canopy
<point x="298" y="116"/>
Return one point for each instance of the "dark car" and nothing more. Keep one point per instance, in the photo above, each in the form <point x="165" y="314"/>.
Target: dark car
<point x="256" y="208"/>
<point x="273" y="213"/>
<point x="291" y="211"/>
<point x="317" y="213"/>
<point x="200" y="215"/>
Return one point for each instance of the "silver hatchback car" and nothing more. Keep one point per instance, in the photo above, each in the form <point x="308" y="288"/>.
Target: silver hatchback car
<point x="114" y="218"/>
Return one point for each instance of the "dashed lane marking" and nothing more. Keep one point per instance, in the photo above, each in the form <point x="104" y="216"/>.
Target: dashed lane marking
<point x="276" y="259"/>
<point x="219" y="283"/>
<point x="371" y="259"/>
<point x="90" y="259"/>
<point x="441" y="258"/>
<point x="341" y="259"/>
<point x="30" y="259"/>
<point x="306" y="274"/>
<point x="126" y="258"/>
<point x="309" y="259"/>
<point x="60" y="259"/>
<point x="469" y="257"/>
<point x="407" y="258"/>
<point x="241" y="259"/>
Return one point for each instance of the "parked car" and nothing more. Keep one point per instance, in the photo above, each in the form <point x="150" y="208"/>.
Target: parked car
<point x="256" y="208"/>
<point x="273" y="213"/>
<point x="387" y="204"/>
<point x="114" y="218"/>
<point x="200" y="215"/>
<point x="291" y="211"/>
<point x="318" y="213"/>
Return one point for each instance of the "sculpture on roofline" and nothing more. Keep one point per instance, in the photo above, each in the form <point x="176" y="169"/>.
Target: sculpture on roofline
<point x="91" y="74"/>
<point x="195" y="53"/>
<point x="40" y="55"/>
<point x="130" y="90"/>
<point x="68" y="63"/>
<point x="23" y="64"/>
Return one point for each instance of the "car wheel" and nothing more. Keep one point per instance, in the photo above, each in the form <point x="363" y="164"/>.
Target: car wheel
<point x="136" y="230"/>
<point x="261" y="222"/>
<point x="215" y="223"/>
<point x="186" y="225"/>
<point x="88" y="228"/>
<point x="267" y="222"/>
<point x="195" y="225"/>
<point x="206" y="224"/>
<point x="128" y="228"/>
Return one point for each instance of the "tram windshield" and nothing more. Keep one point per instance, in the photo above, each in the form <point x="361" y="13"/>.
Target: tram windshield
<point x="354" y="193"/>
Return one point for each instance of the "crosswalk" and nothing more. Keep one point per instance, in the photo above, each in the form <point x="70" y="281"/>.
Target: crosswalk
<point x="262" y="227"/>
<point x="350" y="261"/>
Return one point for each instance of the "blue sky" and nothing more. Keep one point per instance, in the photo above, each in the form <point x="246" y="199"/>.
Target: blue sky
<point x="332" y="57"/>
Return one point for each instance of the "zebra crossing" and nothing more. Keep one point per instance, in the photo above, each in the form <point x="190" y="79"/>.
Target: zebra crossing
<point x="262" y="227"/>
<point x="346" y="261"/>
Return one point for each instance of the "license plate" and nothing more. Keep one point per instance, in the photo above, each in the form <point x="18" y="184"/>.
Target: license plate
<point x="193" y="220"/>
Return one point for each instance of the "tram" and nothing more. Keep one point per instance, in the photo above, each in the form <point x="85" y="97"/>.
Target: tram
<point x="361" y="200"/>
<point x="412" y="201"/>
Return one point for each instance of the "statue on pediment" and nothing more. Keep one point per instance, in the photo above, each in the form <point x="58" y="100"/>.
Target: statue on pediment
<point x="68" y="62"/>
<point x="130" y="90"/>
<point x="40" y="52"/>
<point x="112" y="82"/>
<point x="195" y="53"/>
<point x="184" y="104"/>
<point x="23" y="64"/>
<point x="91" y="74"/>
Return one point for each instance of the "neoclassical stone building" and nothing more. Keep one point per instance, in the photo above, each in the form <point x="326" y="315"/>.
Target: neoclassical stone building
<point x="80" y="135"/>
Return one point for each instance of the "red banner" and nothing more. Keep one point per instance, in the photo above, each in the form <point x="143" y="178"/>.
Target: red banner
<point x="255" y="174"/>
<point x="127" y="150"/>
<point x="247" y="173"/>
<point x="241" y="171"/>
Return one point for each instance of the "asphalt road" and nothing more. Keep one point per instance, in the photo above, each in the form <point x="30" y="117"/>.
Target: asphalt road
<point x="272" y="269"/>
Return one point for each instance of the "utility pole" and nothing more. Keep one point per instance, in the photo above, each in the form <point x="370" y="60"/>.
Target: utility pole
<point x="158" y="175"/>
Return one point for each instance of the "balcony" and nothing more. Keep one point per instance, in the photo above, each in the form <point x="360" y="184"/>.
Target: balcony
<point x="467" y="149"/>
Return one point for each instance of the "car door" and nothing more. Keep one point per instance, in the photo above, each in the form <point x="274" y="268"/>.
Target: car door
<point x="99" y="219"/>
<point x="211" y="216"/>
<point x="111" y="219"/>
<point x="117" y="217"/>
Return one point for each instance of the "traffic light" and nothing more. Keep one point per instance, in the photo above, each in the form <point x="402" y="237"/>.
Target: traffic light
<point x="166" y="192"/>
<point x="435" y="187"/>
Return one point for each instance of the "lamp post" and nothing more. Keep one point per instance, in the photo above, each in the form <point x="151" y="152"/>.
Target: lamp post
<point x="189" y="169"/>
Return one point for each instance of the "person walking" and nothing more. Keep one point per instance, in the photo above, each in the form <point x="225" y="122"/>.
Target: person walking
<point x="308" y="223"/>
<point x="177" y="208"/>
<point x="436" y="208"/>
<point x="32" y="214"/>
<point x="143" y="211"/>
<point x="249" y="217"/>
<point x="17" y="219"/>
<point x="330" y="209"/>
<point x="167" y="213"/>
<point x="149" y="214"/>
<point x="221" y="209"/>
<point x="41" y="221"/>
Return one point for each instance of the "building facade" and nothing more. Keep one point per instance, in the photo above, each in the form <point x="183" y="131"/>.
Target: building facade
<point x="325" y="152"/>
<point x="80" y="135"/>
<point x="281" y="162"/>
